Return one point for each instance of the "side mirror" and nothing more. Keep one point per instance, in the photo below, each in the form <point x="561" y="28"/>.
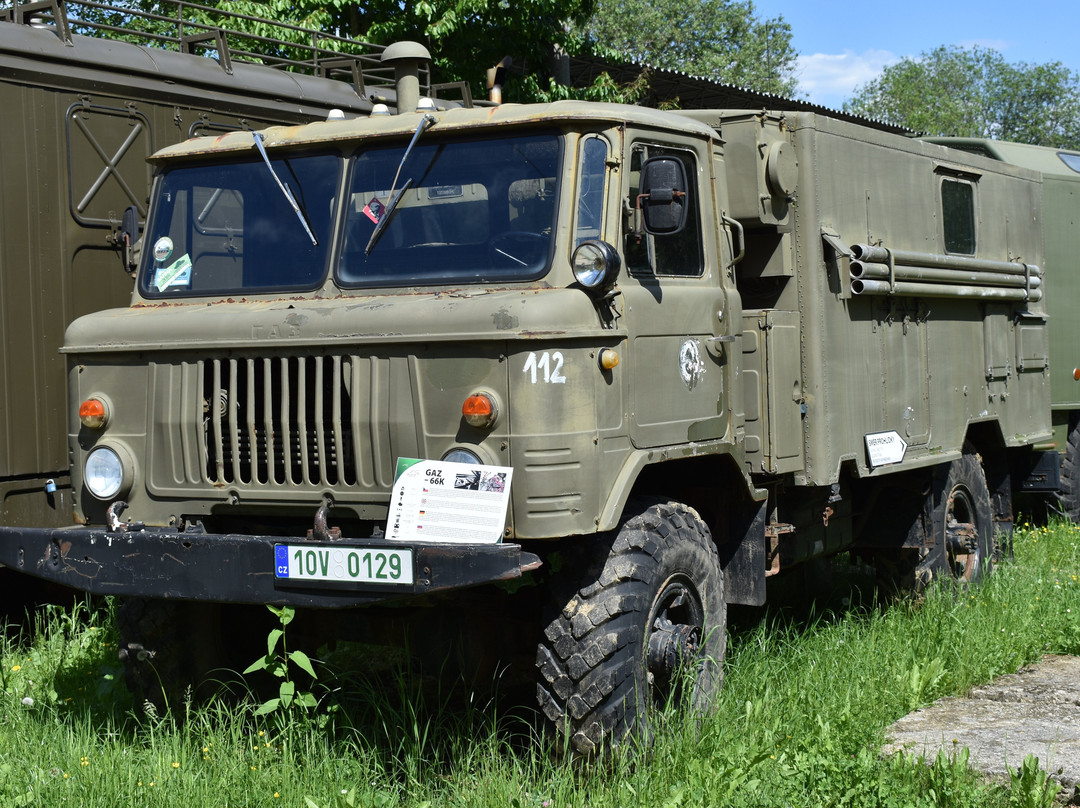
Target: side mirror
<point x="662" y="195"/>
<point x="128" y="237"/>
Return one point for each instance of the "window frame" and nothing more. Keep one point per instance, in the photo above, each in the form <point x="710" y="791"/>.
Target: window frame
<point x="693" y="231"/>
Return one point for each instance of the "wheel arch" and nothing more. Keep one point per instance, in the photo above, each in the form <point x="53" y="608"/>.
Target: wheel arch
<point x="715" y="487"/>
<point x="988" y="441"/>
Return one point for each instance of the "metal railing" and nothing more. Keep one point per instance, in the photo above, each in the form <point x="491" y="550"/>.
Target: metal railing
<point x="224" y="35"/>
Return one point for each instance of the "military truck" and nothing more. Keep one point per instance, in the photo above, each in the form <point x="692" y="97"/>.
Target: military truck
<point x="86" y="99"/>
<point x="577" y="375"/>
<point x="1056" y="466"/>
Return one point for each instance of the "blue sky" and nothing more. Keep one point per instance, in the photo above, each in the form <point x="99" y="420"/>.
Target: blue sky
<point x="843" y="44"/>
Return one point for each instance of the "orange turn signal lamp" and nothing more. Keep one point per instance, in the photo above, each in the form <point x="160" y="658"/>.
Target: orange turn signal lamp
<point x="608" y="358"/>
<point x="93" y="413"/>
<point x="480" y="410"/>
<point x="1076" y="374"/>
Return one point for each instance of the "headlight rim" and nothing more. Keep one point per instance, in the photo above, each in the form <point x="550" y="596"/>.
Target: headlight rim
<point x="124" y="467"/>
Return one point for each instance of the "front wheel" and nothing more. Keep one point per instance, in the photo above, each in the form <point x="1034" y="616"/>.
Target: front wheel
<point x="639" y="622"/>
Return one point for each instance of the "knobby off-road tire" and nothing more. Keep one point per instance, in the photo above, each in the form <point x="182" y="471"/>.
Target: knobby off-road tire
<point x="1069" y="494"/>
<point x="960" y="516"/>
<point x="638" y="620"/>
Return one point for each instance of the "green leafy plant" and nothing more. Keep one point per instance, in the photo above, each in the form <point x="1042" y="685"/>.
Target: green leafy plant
<point x="279" y="661"/>
<point x="1031" y="787"/>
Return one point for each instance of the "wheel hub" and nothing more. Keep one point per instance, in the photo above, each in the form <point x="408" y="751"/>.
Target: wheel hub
<point x="670" y="647"/>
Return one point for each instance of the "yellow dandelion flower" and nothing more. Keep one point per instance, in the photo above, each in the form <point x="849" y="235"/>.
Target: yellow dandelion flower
<point x="176" y="765"/>
<point x="276" y="795"/>
<point x="16" y="667"/>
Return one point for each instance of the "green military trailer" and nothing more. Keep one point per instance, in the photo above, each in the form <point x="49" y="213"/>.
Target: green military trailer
<point x="89" y="92"/>
<point x="1060" y="169"/>
<point x="591" y="371"/>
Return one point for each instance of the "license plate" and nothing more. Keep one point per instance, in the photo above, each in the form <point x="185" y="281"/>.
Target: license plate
<point x="361" y="565"/>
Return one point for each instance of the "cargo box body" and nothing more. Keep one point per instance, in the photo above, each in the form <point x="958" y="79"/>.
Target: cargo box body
<point x="943" y="329"/>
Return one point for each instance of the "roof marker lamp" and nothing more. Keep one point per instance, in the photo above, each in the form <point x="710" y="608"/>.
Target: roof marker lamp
<point x="94" y="413"/>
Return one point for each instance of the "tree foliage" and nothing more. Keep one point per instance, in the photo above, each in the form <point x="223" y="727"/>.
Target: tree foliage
<point x="465" y="37"/>
<point x="721" y="40"/>
<point x="974" y="92"/>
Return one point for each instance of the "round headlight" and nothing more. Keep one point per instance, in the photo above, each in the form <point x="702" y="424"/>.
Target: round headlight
<point x="596" y="264"/>
<point x="104" y="473"/>
<point x="461" y="456"/>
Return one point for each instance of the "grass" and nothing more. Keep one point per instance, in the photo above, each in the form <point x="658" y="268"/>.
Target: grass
<point x="799" y="722"/>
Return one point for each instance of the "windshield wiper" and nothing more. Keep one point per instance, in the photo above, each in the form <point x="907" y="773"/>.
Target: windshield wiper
<point x="285" y="190"/>
<point x="380" y="227"/>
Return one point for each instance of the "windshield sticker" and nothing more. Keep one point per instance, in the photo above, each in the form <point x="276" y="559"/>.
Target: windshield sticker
<point x="163" y="248"/>
<point x="374" y="209"/>
<point x="178" y="274"/>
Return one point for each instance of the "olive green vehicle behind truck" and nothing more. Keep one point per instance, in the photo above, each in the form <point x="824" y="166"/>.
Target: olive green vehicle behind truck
<point x="701" y="347"/>
<point x="81" y="113"/>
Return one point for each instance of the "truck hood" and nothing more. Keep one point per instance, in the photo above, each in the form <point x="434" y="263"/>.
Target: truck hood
<point x="428" y="316"/>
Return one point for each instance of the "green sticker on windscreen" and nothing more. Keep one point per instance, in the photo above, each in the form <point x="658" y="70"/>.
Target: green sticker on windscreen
<point x="176" y="274"/>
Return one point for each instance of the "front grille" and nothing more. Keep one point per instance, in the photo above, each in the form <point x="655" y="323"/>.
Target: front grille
<point x="284" y="421"/>
<point x="279" y="421"/>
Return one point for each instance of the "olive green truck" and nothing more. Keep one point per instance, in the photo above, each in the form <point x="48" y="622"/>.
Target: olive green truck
<point x="609" y="367"/>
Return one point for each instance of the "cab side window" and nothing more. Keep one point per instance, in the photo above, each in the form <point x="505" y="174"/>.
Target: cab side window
<point x="678" y="254"/>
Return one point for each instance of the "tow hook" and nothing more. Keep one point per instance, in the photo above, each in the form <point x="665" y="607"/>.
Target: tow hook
<point x="321" y="532"/>
<point x="112" y="519"/>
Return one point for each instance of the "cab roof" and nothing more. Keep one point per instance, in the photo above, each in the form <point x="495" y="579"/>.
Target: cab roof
<point x="332" y="131"/>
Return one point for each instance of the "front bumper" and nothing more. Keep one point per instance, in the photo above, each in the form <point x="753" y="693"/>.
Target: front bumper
<point x="229" y="568"/>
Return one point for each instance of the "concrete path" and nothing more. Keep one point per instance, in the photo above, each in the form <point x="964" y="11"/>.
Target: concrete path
<point x="1035" y="711"/>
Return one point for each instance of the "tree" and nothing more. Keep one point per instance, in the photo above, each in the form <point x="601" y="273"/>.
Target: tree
<point x="974" y="92"/>
<point x="721" y="40"/>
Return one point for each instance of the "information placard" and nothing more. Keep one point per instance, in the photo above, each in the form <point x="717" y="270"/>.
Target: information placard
<point x="438" y="501"/>
<point x="885" y="448"/>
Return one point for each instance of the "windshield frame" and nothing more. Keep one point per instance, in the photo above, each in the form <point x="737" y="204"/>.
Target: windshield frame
<point x="425" y="263"/>
<point x="157" y="239"/>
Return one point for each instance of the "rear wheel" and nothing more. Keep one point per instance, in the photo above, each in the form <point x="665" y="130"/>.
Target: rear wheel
<point x="1069" y="494"/>
<point x="951" y="536"/>
<point x="639" y="622"/>
<point x="962" y="522"/>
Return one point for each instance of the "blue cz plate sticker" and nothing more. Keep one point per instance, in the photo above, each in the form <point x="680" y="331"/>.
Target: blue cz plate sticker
<point x="365" y="565"/>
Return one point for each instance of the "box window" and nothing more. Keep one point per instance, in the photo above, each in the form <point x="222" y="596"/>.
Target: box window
<point x="958" y="215"/>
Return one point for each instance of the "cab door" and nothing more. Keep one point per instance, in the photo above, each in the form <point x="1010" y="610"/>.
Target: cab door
<point x="676" y="322"/>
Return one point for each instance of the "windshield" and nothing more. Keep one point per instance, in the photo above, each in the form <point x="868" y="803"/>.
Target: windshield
<point x="471" y="211"/>
<point x="228" y="227"/>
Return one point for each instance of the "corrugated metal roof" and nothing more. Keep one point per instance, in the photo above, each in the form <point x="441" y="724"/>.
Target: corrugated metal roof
<point x="694" y="92"/>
